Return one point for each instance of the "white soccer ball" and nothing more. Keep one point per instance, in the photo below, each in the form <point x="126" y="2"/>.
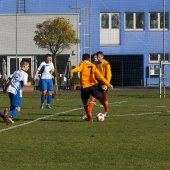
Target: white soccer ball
<point x="100" y="117"/>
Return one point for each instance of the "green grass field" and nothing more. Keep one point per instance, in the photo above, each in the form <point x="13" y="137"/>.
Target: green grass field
<point x="136" y="136"/>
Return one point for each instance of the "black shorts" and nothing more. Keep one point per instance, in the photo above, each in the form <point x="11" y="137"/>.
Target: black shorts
<point x="94" y="91"/>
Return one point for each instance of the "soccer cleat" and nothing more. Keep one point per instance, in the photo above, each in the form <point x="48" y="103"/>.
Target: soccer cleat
<point x="6" y="113"/>
<point x="5" y="118"/>
<point x="10" y="120"/>
<point x="85" y="117"/>
<point x="106" y="114"/>
<point x="48" y="106"/>
<point x="90" y="119"/>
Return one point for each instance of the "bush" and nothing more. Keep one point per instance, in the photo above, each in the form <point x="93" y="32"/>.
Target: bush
<point x="75" y="79"/>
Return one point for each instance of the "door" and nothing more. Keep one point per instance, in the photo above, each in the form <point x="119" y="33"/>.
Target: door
<point x="127" y="70"/>
<point x="117" y="73"/>
<point x="11" y="63"/>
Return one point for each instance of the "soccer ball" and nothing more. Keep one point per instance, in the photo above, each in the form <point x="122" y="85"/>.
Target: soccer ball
<point x="100" y="117"/>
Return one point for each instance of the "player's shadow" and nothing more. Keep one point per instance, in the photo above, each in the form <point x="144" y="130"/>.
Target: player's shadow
<point x="23" y="119"/>
<point x="47" y="120"/>
<point x="68" y="115"/>
<point x="61" y="120"/>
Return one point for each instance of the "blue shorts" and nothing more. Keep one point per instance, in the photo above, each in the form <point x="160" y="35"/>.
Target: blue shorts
<point x="46" y="84"/>
<point x="15" y="100"/>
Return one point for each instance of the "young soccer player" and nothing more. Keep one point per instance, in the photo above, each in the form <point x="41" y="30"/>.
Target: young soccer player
<point x="105" y="69"/>
<point x="90" y="87"/>
<point x="92" y="99"/>
<point x="17" y="81"/>
<point x="94" y="58"/>
<point x="46" y="70"/>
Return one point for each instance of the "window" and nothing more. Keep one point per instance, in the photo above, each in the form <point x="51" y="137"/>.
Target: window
<point x="154" y="63"/>
<point x="115" y="20"/>
<point x="109" y="29"/>
<point x="139" y="20"/>
<point x="155" y="58"/>
<point x="129" y="21"/>
<point x="154" y="69"/>
<point x="134" y="21"/>
<point x="157" y="21"/>
<point x="105" y="21"/>
<point x="162" y="20"/>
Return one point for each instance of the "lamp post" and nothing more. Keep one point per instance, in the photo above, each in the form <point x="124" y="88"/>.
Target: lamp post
<point x="16" y="34"/>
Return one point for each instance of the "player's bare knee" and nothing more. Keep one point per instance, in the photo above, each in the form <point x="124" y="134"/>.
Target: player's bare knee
<point x="44" y="92"/>
<point x="50" y="92"/>
<point x="19" y="109"/>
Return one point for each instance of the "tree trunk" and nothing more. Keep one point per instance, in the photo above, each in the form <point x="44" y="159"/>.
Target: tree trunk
<point x="56" y="73"/>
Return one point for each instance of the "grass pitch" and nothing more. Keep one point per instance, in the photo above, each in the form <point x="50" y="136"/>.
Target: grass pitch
<point x="136" y="136"/>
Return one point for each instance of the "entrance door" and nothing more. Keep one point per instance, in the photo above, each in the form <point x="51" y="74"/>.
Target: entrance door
<point x="127" y="70"/>
<point x="11" y="63"/>
<point x="117" y="73"/>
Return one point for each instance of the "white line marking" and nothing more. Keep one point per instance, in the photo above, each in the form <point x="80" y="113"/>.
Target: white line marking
<point x="40" y="118"/>
<point x="140" y="114"/>
<point x="160" y="106"/>
<point x="120" y="102"/>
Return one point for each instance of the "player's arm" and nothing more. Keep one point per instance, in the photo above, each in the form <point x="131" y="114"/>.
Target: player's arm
<point x="108" y="73"/>
<point x="77" y="69"/>
<point x="101" y="78"/>
<point x="26" y="83"/>
<point x="37" y="71"/>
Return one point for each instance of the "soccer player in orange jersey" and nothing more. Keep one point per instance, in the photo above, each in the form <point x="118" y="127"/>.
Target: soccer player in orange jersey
<point x="105" y="69"/>
<point x="89" y="84"/>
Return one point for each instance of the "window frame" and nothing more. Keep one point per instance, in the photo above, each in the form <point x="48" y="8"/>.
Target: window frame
<point x="159" y="56"/>
<point x="156" y="63"/>
<point x="153" y="64"/>
<point x="134" y="22"/>
<point x="159" y="22"/>
<point x="101" y="14"/>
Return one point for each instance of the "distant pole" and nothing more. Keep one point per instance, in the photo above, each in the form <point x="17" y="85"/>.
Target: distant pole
<point x="16" y="42"/>
<point x="90" y="28"/>
<point x="164" y="43"/>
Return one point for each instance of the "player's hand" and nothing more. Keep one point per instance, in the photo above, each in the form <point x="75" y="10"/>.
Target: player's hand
<point x="35" y="77"/>
<point x="111" y="87"/>
<point x="29" y="84"/>
<point x="104" y="87"/>
<point x="71" y="75"/>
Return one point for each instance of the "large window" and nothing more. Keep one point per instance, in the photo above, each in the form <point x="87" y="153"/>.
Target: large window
<point x="134" y="21"/>
<point x="109" y="29"/>
<point x="154" y="63"/>
<point x="156" y="21"/>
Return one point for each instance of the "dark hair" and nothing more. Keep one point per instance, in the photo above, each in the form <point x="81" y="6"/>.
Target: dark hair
<point x="93" y="55"/>
<point x="100" y="53"/>
<point x="86" y="57"/>
<point x="23" y="63"/>
<point x="47" y="55"/>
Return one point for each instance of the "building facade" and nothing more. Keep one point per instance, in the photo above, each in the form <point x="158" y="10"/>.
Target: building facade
<point x="130" y="33"/>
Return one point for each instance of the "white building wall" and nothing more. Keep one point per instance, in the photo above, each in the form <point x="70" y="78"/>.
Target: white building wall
<point x="26" y="24"/>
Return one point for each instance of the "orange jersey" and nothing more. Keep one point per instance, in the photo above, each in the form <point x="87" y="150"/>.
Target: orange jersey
<point x="88" y="72"/>
<point x="105" y="69"/>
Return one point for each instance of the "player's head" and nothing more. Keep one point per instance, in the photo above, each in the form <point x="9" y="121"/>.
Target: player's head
<point x="100" y="56"/>
<point x="94" y="57"/>
<point x="86" y="57"/>
<point x="24" y="65"/>
<point x="48" y="58"/>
